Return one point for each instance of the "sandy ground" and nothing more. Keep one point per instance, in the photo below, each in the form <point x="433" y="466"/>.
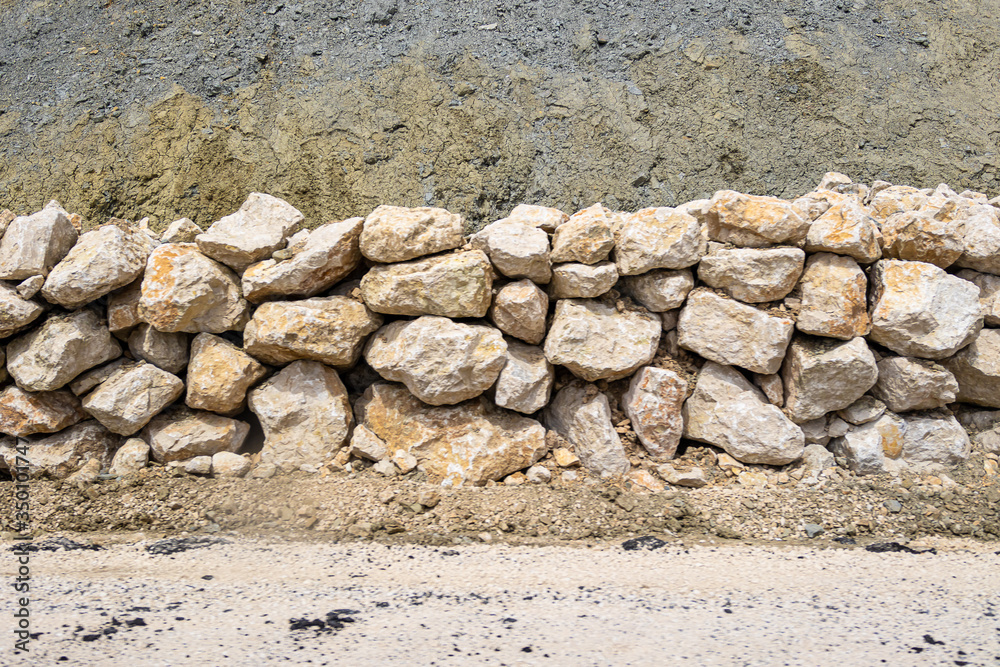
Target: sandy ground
<point x="691" y="602"/>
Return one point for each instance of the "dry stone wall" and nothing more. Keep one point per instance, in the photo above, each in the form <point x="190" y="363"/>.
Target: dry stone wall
<point x="848" y="321"/>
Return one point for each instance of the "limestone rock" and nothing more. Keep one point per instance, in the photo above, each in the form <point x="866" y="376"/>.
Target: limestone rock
<point x="977" y="370"/>
<point x="87" y="380"/>
<point x="6" y="217"/>
<point x="845" y="229"/>
<point x="732" y="333"/>
<point x="305" y="414"/>
<point x="816" y="458"/>
<point x="16" y="312"/>
<point x="690" y="477"/>
<point x="440" y="361"/>
<point x="326" y="256"/>
<point x="329" y="329"/>
<point x="989" y="293"/>
<point x="219" y="375"/>
<point x="198" y="465"/>
<point x="29" y="287"/>
<point x="48" y="357"/>
<point x="101" y="261"/>
<point x="772" y="386"/>
<point x="538" y="475"/>
<point x="866" y="447"/>
<point x="180" y="231"/>
<point x="181" y="434"/>
<point x="933" y="438"/>
<point x="895" y="199"/>
<point x="26" y="413"/>
<point x="33" y="244"/>
<point x="229" y="464"/>
<point x="183" y="290"/>
<point x="543" y="217"/>
<point x="585" y="238"/>
<point x="582" y="281"/>
<point x="582" y="416"/>
<point x="751" y="275"/>
<point x="727" y="411"/>
<point x="923" y="236"/>
<point x="918" y="310"/>
<point x="862" y="411"/>
<point x="906" y="384"/>
<point x="130" y="399"/>
<point x="981" y="240"/>
<point x="597" y="342"/>
<point x="823" y="375"/>
<point x="469" y="443"/>
<point x="753" y="221"/>
<point x="832" y="295"/>
<point x="367" y="445"/>
<point x="456" y="285"/>
<point x="123" y="310"/>
<point x="252" y="233"/>
<point x="130" y="458"/>
<point x="525" y="382"/>
<point x="397" y="234"/>
<point x="815" y="431"/>
<point x="63" y="453"/>
<point x="657" y="238"/>
<point x="661" y="290"/>
<point x="519" y="309"/>
<point x="518" y="250"/>
<point x="165" y="350"/>
<point x="653" y="403"/>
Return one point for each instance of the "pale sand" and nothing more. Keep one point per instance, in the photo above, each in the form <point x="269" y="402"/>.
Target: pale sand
<point x="595" y="605"/>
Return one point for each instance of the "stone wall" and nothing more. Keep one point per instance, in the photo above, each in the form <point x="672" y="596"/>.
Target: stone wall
<point x="846" y="323"/>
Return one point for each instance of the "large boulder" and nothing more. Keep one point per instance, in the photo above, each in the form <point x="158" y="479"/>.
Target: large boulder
<point x="934" y="438"/>
<point x="16" y="312"/>
<point x="582" y="416"/>
<point x="519" y="309"/>
<point x="596" y="341"/>
<point x="219" y="375"/>
<point x="661" y="290"/>
<point x="653" y="403"/>
<point x="752" y="275"/>
<point x="981" y="239"/>
<point x="456" y="285"/>
<point x="305" y="414"/>
<point x="63" y="453"/>
<point x="657" y="238"/>
<point x="101" y="261"/>
<point x="329" y="329"/>
<point x="976" y="368"/>
<point x="906" y="383"/>
<point x="918" y="310"/>
<point x="397" y="234"/>
<point x="846" y="229"/>
<point x="48" y="357"/>
<point x="727" y="411"/>
<point x="320" y="259"/>
<point x="732" y="333"/>
<point x="130" y="458"/>
<point x="33" y="244"/>
<point x="821" y="375"/>
<point x="923" y="236"/>
<point x="25" y="413"/>
<point x="582" y="281"/>
<point x="867" y="446"/>
<point x="470" y="443"/>
<point x="183" y="290"/>
<point x="832" y="294"/>
<point x="126" y="401"/>
<point x="587" y="237"/>
<point x="517" y="250"/>
<point x="525" y="382"/>
<point x="440" y="361"/>
<point x="543" y="217"/>
<point x="181" y="434"/>
<point x="181" y="230"/>
<point x="752" y="221"/>
<point x="252" y="233"/>
<point x="165" y="350"/>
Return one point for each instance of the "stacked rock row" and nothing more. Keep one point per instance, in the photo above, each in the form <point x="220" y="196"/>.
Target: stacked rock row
<point x="836" y="320"/>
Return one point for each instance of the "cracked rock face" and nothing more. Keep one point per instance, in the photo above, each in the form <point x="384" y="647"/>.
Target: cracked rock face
<point x="219" y="375"/>
<point x="582" y="281"/>
<point x="586" y="238"/>
<point x="659" y="291"/>
<point x="24" y="413"/>
<point x="16" y="312"/>
<point x="918" y="310"/>
<point x="976" y="368"/>
<point x="595" y="341"/>
<point x="252" y="233"/>
<point x="517" y="250"/>
<point x="440" y="361"/>
<point x="845" y="229"/>
<point x="397" y="234"/>
<point x="906" y="383"/>
<point x="64" y="453"/>
<point x="727" y="411"/>
<point x="470" y="443"/>
<point x="181" y="434"/>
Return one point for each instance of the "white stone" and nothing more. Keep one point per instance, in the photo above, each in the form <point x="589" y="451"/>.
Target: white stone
<point x="252" y="233"/>
<point x="976" y="368"/>
<point x="525" y="382"/>
<point x="753" y="221"/>
<point x="867" y="446"/>
<point x="398" y="234"/>
<point x="906" y="383"/>
<point x="657" y="238"/>
<point x="653" y="404"/>
<point x="582" y="416"/>
<point x="823" y="375"/>
<point x="182" y="230"/>
<point x="932" y="438"/>
<point x="519" y="309"/>
<point x="128" y="400"/>
<point x="989" y="294"/>
<point x="582" y="281"/>
<point x="518" y="250"/>
<point x="846" y="229"/>
<point x="130" y="458"/>
<point x="543" y="217"/>
<point x="33" y="244"/>
<point x="367" y="445"/>
<point x="230" y="464"/>
<point x="16" y="312"/>
<point x="456" y="285"/>
<point x="659" y="290"/>
<point x="168" y="351"/>
<point x="832" y="295"/>
<point x="586" y="237"/>
<point x="182" y="434"/>
<point x="752" y="275"/>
